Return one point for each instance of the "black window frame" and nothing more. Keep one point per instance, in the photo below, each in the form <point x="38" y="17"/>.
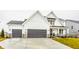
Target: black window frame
<point x="71" y="27"/>
<point x="60" y="31"/>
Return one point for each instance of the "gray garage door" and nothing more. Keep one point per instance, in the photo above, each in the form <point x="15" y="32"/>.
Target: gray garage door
<point x="16" y="33"/>
<point x="36" y="33"/>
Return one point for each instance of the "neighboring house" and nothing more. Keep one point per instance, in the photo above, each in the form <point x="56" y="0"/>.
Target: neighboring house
<point x="73" y="26"/>
<point x="38" y="26"/>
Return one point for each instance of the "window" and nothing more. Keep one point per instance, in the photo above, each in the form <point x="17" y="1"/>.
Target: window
<point x="51" y="20"/>
<point x="71" y="27"/>
<point x="60" y="31"/>
<point x="9" y="29"/>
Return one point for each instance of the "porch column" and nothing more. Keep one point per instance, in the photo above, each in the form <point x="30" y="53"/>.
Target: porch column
<point x="64" y="31"/>
<point x="58" y="31"/>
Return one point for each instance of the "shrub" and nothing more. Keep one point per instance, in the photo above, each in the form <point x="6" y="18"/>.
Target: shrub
<point x="2" y="33"/>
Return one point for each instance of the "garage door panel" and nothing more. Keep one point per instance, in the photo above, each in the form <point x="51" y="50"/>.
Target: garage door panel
<point x="36" y="33"/>
<point x="16" y="33"/>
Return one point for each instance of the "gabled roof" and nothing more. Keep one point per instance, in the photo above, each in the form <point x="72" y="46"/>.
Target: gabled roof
<point x="16" y="22"/>
<point x="61" y="19"/>
<point x="73" y="21"/>
<point x="51" y="14"/>
<point x="37" y="12"/>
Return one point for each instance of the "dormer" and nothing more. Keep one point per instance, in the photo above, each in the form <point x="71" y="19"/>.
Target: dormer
<point x="51" y="17"/>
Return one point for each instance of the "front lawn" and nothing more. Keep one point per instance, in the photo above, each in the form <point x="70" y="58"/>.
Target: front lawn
<point x="2" y="39"/>
<point x="1" y="47"/>
<point x="71" y="42"/>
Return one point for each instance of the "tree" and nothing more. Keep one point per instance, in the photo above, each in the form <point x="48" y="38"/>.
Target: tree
<point x="2" y="33"/>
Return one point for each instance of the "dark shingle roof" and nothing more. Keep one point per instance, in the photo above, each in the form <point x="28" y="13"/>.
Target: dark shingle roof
<point x="15" y="22"/>
<point x="73" y="21"/>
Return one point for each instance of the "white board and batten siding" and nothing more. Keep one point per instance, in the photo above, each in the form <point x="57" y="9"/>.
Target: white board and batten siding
<point x="37" y="21"/>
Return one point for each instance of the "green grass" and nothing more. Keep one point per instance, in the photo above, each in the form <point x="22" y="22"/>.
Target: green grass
<point x="2" y="39"/>
<point x="71" y="42"/>
<point x="1" y="47"/>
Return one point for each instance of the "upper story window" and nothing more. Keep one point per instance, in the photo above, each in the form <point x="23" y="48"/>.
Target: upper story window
<point x="51" y="20"/>
<point x="9" y="29"/>
<point x="71" y="27"/>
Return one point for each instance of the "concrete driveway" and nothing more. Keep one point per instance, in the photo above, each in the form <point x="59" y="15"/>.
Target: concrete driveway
<point x="34" y="43"/>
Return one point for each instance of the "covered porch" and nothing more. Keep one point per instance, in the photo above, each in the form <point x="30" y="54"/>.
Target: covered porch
<point x="58" y="30"/>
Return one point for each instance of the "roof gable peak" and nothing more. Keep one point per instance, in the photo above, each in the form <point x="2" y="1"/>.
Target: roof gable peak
<point x="34" y="14"/>
<point x="37" y="12"/>
<point x="51" y="15"/>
